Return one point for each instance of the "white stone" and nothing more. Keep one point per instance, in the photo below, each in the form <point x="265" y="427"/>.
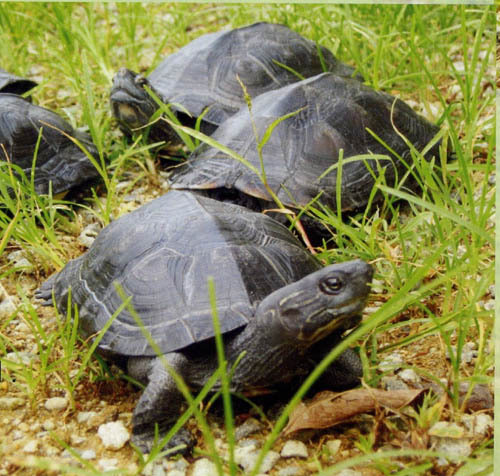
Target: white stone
<point x="204" y="467"/>
<point x="56" y="403"/>
<point x="333" y="446"/>
<point x="114" y="435"/>
<point x="31" y="446"/>
<point x="454" y="449"/>
<point x="247" y="456"/>
<point x="7" y="304"/>
<point x="409" y="375"/>
<point x="478" y="424"/>
<point x="82" y="417"/>
<point x="88" y="235"/>
<point x="22" y="357"/>
<point x="446" y="429"/>
<point x="291" y="471"/>
<point x="391" y="382"/>
<point x="17" y="435"/>
<point x="390" y="362"/>
<point x="48" y="425"/>
<point x="348" y="472"/>
<point x="294" y="449"/>
<point x="10" y="403"/>
<point x="247" y="428"/>
<point x="77" y="439"/>
<point x="107" y="464"/>
<point x="88" y="454"/>
<point x="19" y="260"/>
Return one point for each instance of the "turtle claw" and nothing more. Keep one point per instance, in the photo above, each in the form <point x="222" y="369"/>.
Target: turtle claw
<point x="181" y="443"/>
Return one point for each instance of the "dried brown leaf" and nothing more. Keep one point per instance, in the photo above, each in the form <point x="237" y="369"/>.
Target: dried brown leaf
<point x="329" y="408"/>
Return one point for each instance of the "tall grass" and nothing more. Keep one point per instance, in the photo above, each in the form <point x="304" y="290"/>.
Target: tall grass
<point x="434" y="256"/>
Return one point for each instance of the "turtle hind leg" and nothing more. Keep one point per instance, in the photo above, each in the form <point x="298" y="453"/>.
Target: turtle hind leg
<point x="160" y="404"/>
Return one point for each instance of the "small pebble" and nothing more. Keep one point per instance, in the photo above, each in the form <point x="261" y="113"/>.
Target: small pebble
<point x="454" y="449"/>
<point x="19" y="260"/>
<point x="88" y="454"/>
<point x="10" y="403"/>
<point x="348" y="472"/>
<point x="17" y="435"/>
<point x="56" y="403"/>
<point x="7" y="304"/>
<point x="390" y="362"/>
<point x="204" y="467"/>
<point x="48" y="425"/>
<point x="294" y="449"/>
<point x="247" y="428"/>
<point x="77" y="440"/>
<point x="88" y="235"/>
<point x="333" y="446"/>
<point x="478" y="424"/>
<point x="153" y="469"/>
<point x="446" y="429"/>
<point x="291" y="471"/>
<point x="491" y="290"/>
<point x="108" y="464"/>
<point x="114" y="435"/>
<point x="31" y="446"/>
<point x="83" y="417"/>
<point x="390" y="383"/>
<point x="409" y="376"/>
<point x="247" y="456"/>
<point x="480" y="398"/>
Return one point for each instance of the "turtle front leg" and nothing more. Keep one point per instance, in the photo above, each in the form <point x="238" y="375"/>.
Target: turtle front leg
<point x="160" y="404"/>
<point x="344" y="372"/>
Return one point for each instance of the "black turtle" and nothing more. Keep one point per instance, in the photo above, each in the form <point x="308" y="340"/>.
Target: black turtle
<point x="274" y="300"/>
<point x="59" y="161"/>
<point x="202" y="77"/>
<point x="10" y="83"/>
<point x="333" y="114"/>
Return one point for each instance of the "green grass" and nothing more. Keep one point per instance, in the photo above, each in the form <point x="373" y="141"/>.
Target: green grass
<point x="433" y="257"/>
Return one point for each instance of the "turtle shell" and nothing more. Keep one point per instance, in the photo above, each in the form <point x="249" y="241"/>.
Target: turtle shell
<point x="162" y="255"/>
<point x="59" y="160"/>
<point x="204" y="75"/>
<point x="331" y="114"/>
<point x="205" y="72"/>
<point x="10" y="83"/>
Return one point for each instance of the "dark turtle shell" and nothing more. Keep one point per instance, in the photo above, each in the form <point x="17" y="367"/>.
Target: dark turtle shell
<point x="204" y="75"/>
<point x="162" y="254"/>
<point x="59" y="160"/>
<point x="10" y="83"/>
<point x="334" y="114"/>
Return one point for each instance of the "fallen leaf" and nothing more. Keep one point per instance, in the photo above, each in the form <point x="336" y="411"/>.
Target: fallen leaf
<point x="329" y="408"/>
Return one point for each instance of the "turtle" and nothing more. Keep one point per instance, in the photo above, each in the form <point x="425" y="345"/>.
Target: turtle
<point x="328" y="114"/>
<point x="10" y="83"/>
<point x="203" y="78"/>
<point x="275" y="302"/>
<point x="60" y="163"/>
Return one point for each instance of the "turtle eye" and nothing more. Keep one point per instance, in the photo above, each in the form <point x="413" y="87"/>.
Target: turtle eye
<point x="331" y="285"/>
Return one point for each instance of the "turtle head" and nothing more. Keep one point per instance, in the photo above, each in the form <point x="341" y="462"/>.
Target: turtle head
<point x="130" y="102"/>
<point x="325" y="301"/>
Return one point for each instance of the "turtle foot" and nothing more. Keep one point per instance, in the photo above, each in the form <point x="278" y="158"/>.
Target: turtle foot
<point x="182" y="441"/>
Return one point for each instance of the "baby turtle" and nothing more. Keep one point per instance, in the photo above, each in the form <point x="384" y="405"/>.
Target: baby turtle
<point x="275" y="302"/>
<point x="10" y="83"/>
<point x="202" y="77"/>
<point x="59" y="161"/>
<point x="334" y="114"/>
